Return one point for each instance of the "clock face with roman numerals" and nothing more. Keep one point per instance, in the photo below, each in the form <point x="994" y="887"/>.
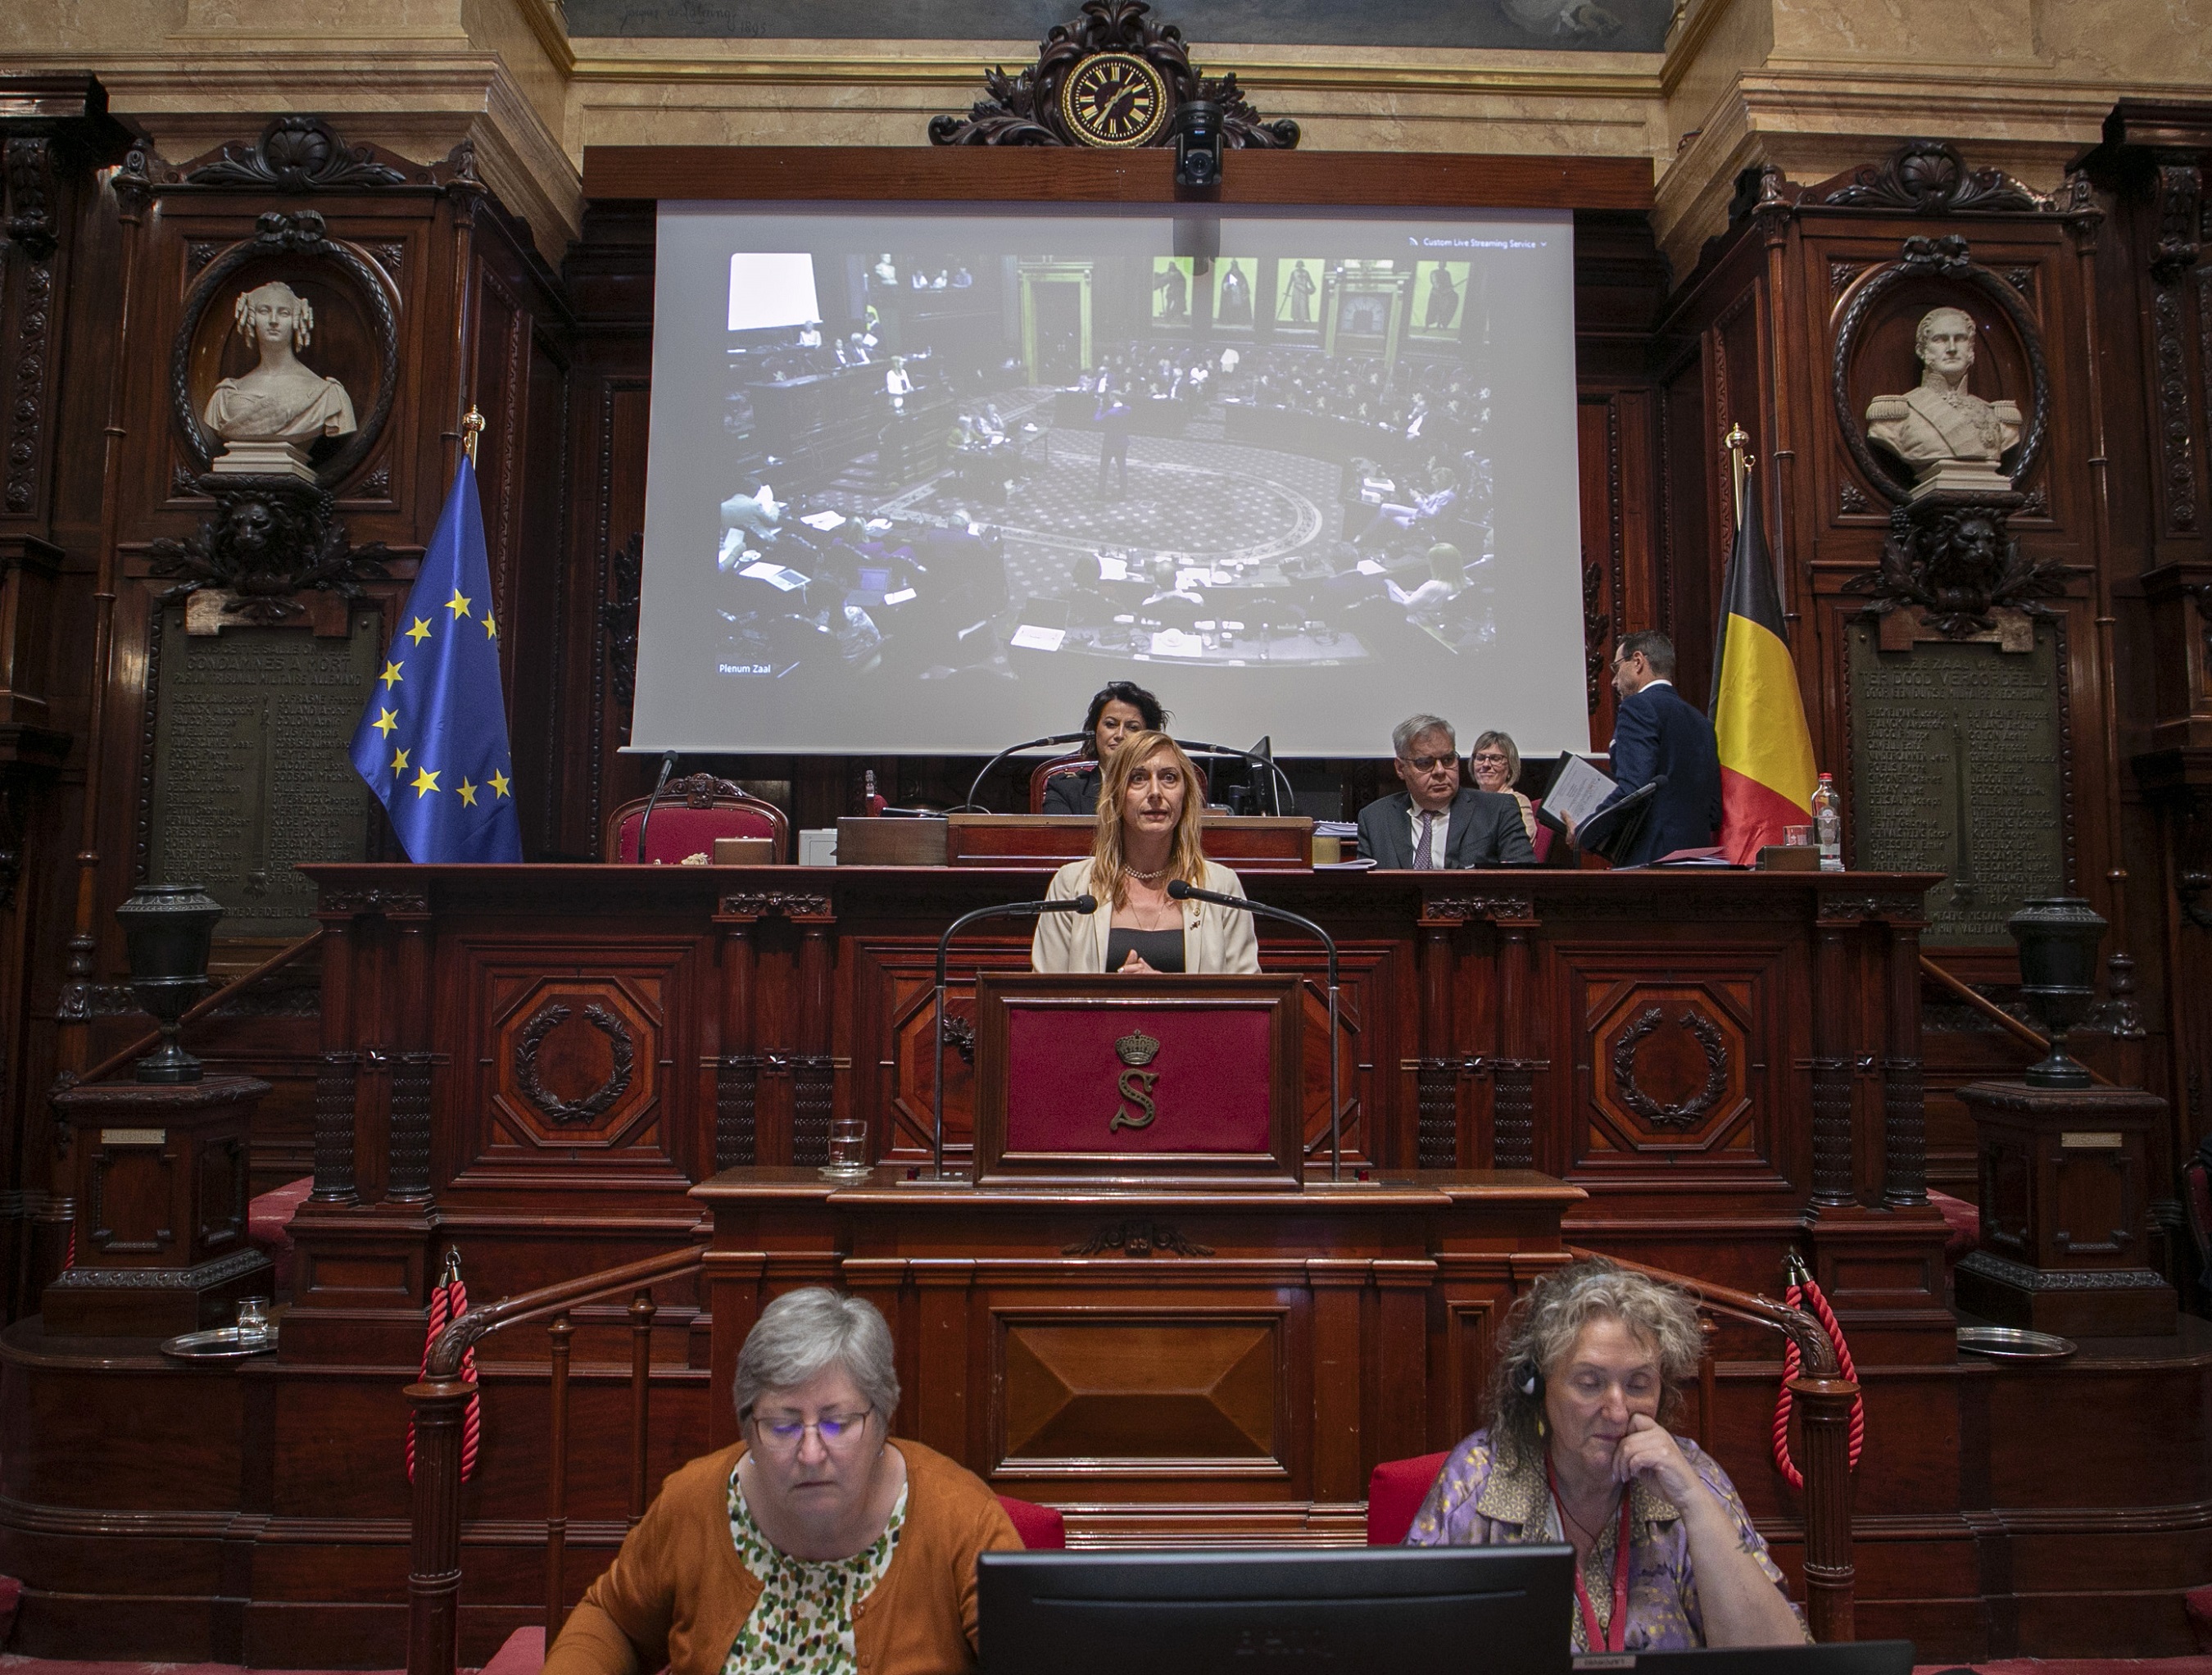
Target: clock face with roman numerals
<point x="1114" y="99"/>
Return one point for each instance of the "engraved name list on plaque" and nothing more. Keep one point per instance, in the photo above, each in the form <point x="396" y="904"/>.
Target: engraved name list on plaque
<point x="1955" y="767"/>
<point x="250" y="773"/>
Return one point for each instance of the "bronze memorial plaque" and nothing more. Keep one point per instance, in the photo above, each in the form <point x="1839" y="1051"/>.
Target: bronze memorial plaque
<point x="1955" y="768"/>
<point x="250" y="775"/>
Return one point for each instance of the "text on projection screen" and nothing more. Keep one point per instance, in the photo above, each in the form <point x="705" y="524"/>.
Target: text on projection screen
<point x="923" y="483"/>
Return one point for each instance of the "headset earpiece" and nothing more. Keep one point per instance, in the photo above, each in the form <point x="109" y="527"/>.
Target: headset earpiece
<point x="1527" y="1378"/>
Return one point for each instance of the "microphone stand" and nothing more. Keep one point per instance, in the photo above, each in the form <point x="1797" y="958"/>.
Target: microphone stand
<point x="1181" y="892"/>
<point x="1280" y="792"/>
<point x="1014" y="749"/>
<point x="1023" y="910"/>
<point x="645" y="820"/>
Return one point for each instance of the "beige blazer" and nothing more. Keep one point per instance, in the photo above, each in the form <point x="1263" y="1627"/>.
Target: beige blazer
<point x="1214" y="938"/>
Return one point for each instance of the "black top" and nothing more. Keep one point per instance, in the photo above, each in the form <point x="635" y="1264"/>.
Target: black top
<point x="1162" y="950"/>
<point x="1072" y="792"/>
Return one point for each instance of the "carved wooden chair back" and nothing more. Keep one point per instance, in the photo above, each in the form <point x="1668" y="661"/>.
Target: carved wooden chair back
<point x="691" y="813"/>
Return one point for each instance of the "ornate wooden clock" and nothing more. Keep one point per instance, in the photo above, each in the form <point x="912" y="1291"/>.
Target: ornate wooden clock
<point x="1112" y="76"/>
<point x="1114" y="99"/>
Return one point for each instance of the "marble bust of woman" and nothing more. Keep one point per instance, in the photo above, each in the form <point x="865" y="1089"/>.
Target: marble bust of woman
<point x="280" y="399"/>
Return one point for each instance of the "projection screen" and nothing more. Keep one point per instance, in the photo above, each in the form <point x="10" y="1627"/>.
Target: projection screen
<point x="921" y="480"/>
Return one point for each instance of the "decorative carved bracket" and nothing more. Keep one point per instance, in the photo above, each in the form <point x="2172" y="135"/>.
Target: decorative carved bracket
<point x="1137" y="1239"/>
<point x="1957" y="562"/>
<point x="297" y="154"/>
<point x="1025" y="109"/>
<point x="1930" y="178"/>
<point x="271" y="539"/>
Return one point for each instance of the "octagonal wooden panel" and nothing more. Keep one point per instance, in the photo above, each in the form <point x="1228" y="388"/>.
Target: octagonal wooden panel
<point x="573" y="1062"/>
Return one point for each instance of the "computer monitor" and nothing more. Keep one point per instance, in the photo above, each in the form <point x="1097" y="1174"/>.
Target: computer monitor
<point x="1864" y="1657"/>
<point x="1201" y="1613"/>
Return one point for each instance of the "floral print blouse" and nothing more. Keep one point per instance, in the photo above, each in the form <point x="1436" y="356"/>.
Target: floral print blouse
<point x="1475" y="1501"/>
<point x="802" y="1624"/>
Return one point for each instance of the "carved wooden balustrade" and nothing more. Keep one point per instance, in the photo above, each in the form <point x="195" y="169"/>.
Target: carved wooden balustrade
<point x="441" y="1400"/>
<point x="440" y="1403"/>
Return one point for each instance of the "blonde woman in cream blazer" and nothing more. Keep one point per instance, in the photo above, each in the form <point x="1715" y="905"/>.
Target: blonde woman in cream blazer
<point x="1147" y="837"/>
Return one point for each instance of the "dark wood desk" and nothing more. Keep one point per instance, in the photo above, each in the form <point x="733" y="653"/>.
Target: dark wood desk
<point x="1722" y="1061"/>
<point x="1217" y="1364"/>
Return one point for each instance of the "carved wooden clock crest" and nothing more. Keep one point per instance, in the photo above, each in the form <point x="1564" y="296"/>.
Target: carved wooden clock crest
<point x="1114" y="77"/>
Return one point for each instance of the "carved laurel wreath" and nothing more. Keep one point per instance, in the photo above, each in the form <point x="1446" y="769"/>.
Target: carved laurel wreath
<point x="1683" y="1113"/>
<point x="595" y="1105"/>
<point x="1948" y="259"/>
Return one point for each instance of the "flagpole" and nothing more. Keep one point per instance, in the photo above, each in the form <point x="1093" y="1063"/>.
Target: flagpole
<point x="472" y="426"/>
<point x="1739" y="464"/>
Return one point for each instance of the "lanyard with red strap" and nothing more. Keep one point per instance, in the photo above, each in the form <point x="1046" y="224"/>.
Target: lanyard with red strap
<point x="1614" y="1637"/>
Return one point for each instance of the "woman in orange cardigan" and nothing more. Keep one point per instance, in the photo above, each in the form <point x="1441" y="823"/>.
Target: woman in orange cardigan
<point x="817" y="1545"/>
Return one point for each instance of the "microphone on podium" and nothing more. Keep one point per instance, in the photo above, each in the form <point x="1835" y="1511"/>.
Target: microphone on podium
<point x="1178" y="890"/>
<point x="1004" y="910"/>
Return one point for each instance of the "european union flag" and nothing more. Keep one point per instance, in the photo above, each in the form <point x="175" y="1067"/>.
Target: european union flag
<point x="433" y="742"/>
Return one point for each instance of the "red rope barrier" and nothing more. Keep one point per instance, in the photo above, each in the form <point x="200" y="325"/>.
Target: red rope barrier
<point x="449" y="1300"/>
<point x="1804" y="1295"/>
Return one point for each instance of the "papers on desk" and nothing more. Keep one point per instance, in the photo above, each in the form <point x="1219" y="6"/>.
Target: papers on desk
<point x="777" y="574"/>
<point x="1113" y="570"/>
<point x="1370" y="567"/>
<point x="1029" y="638"/>
<point x="1576" y="790"/>
<point x="1174" y="642"/>
<point x="901" y="596"/>
<point x="1198" y="577"/>
<point x="878" y="523"/>
<point x="824" y="521"/>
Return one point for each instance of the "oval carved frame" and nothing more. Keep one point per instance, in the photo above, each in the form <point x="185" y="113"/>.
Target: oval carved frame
<point x="301" y="234"/>
<point x="1946" y="259"/>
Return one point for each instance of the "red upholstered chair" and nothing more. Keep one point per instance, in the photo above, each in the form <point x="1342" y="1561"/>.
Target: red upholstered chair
<point x="692" y="813"/>
<point x="1045" y="770"/>
<point x="1041" y="1528"/>
<point x="1395" y="1493"/>
<point x="1541" y="843"/>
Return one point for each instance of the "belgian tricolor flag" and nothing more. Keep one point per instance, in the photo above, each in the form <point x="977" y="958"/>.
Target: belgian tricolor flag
<point x="1767" y="776"/>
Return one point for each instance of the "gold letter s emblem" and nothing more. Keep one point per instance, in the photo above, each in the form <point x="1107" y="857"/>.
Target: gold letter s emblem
<point x="1136" y="1087"/>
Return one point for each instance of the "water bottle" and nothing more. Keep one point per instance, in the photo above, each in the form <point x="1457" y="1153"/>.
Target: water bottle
<point x="1828" y="824"/>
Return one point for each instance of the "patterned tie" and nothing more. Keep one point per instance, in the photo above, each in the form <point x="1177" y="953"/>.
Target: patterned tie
<point x="1421" y="861"/>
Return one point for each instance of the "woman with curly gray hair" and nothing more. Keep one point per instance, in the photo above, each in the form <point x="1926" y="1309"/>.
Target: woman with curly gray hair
<point x="1592" y="1366"/>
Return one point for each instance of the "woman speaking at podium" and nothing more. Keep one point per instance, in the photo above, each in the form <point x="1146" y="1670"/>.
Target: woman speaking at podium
<point x="1147" y="838"/>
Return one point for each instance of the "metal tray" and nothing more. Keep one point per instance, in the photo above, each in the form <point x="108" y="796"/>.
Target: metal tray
<point x="224" y="1343"/>
<point x="2011" y="1344"/>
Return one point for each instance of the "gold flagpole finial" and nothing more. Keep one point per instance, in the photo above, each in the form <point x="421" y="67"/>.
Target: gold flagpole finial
<point x="471" y="427"/>
<point x="1739" y="464"/>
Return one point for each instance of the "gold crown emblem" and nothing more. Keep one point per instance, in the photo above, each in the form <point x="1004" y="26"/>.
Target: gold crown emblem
<point x="1137" y="1048"/>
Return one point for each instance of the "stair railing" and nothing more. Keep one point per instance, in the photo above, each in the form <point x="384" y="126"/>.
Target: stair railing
<point x="441" y="1400"/>
<point x="1824" y="1398"/>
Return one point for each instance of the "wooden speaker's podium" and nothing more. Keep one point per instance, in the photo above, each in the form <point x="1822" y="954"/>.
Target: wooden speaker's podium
<point x="1090" y="1079"/>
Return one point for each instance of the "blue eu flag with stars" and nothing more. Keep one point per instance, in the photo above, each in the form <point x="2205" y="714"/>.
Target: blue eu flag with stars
<point x="433" y="742"/>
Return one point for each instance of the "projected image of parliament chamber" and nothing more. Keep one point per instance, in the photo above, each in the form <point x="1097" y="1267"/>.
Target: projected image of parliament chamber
<point x="991" y="452"/>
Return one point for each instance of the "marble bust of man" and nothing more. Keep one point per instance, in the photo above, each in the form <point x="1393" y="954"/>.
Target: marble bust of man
<point x="1942" y="428"/>
<point x="280" y="399"/>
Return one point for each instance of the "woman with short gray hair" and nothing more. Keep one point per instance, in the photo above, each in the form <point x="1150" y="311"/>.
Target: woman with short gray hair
<point x="819" y="1545"/>
<point x="1591" y="1366"/>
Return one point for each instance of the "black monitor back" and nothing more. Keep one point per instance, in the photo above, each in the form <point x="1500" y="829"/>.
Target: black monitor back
<point x="1201" y="1613"/>
<point x="1865" y="1657"/>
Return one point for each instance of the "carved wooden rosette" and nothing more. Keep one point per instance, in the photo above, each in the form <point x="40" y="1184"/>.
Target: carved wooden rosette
<point x="1025" y="109"/>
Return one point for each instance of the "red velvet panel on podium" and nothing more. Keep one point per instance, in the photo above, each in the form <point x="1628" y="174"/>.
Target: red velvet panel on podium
<point x="1164" y="1078"/>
